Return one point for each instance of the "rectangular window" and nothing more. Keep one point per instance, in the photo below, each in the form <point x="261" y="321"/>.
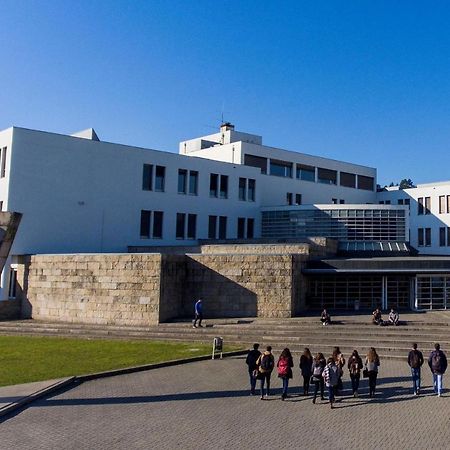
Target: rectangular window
<point x="193" y="182"/>
<point x="241" y="228"/>
<point x="182" y="181"/>
<point x="250" y="228"/>
<point x="341" y="201"/>
<point x="214" y="185"/>
<point x="12" y="283"/>
<point x="298" y="199"/>
<point x="365" y="183"/>
<point x="442" y="208"/>
<point x="145" y="224"/>
<point x="348" y="179"/>
<point x="3" y="171"/>
<point x="147" y="177"/>
<point x="251" y="190"/>
<point x="448" y="204"/>
<point x="242" y="188"/>
<point x="157" y="225"/>
<point x="326" y="176"/>
<point x="427" y="205"/>
<point x="222" y="227"/>
<point x="387" y="202"/>
<point x="420" y="206"/>
<point x="448" y="236"/>
<point x="280" y="168"/>
<point x="334" y="201"/>
<point x="306" y="173"/>
<point x="289" y="198"/>
<point x="256" y="161"/>
<point x="442" y="237"/>
<point x="212" y="227"/>
<point x="420" y="237"/>
<point x="181" y="219"/>
<point x="407" y="202"/>
<point x="1" y="206"/>
<point x="160" y="175"/>
<point x="427" y="237"/>
<point x="192" y="226"/>
<point x="224" y="186"/>
<point x="400" y="201"/>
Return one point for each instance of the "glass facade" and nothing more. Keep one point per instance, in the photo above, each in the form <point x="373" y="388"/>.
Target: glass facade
<point x="433" y="292"/>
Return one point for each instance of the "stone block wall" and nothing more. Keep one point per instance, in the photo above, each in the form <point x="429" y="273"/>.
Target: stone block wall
<point x="173" y="284"/>
<point x="10" y="309"/>
<point x="97" y="289"/>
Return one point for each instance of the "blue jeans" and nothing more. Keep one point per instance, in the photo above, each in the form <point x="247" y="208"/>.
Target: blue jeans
<point x="331" y="393"/>
<point x="437" y="382"/>
<point x="415" y="373"/>
<point x="265" y="377"/>
<point x="285" y="386"/>
<point x="252" y="381"/>
<point x="355" y="382"/>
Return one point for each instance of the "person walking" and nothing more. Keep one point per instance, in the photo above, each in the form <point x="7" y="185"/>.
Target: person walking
<point x="198" y="311"/>
<point x="331" y="376"/>
<point x="340" y="363"/>
<point x="372" y="363"/>
<point x="251" y="359"/>
<point x="354" y="366"/>
<point x="306" y="363"/>
<point x="318" y="366"/>
<point x="415" y="361"/>
<point x="265" y="363"/>
<point x="438" y="365"/>
<point x="284" y="368"/>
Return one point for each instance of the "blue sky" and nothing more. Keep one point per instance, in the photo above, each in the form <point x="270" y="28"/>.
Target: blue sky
<point x="362" y="81"/>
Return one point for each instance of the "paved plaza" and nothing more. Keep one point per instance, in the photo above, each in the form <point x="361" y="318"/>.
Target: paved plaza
<point x="207" y="405"/>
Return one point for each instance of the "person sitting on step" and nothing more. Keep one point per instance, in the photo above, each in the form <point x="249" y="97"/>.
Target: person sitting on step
<point x="376" y="317"/>
<point x="325" y="318"/>
<point x="394" y="317"/>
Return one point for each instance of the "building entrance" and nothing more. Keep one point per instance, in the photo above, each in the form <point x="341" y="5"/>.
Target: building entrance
<point x="432" y="292"/>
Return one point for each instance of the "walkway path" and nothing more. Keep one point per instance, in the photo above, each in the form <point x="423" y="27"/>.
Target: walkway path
<point x="206" y="405"/>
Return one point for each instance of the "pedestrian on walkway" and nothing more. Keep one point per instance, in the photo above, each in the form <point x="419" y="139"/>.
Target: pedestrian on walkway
<point x="284" y="368"/>
<point x="198" y="311"/>
<point x="354" y="366"/>
<point x="415" y="361"/>
<point x="340" y="363"/>
<point x="372" y="363"/>
<point x="251" y="359"/>
<point x="438" y="365"/>
<point x="265" y="363"/>
<point x="318" y="366"/>
<point x="331" y="376"/>
<point x="306" y="363"/>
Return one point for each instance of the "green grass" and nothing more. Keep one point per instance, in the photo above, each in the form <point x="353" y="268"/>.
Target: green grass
<point x="26" y="359"/>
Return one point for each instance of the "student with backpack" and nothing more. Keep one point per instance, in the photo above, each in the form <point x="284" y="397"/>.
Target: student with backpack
<point x="331" y="377"/>
<point x="354" y="366"/>
<point x="415" y="361"/>
<point x="318" y="366"/>
<point x="265" y="363"/>
<point x="306" y="363"/>
<point x="284" y="368"/>
<point x="438" y="365"/>
<point x="251" y="359"/>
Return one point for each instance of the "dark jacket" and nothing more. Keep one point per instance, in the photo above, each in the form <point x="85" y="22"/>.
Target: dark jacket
<point x="443" y="362"/>
<point x="290" y="365"/>
<point x="419" y="356"/>
<point x="354" y="365"/>
<point x="251" y="359"/>
<point x="306" y="365"/>
<point x="318" y="366"/>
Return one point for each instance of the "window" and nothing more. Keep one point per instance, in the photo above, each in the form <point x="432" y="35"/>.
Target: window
<point x="289" y="198"/>
<point x="365" y="183"/>
<point x="427" y="205"/>
<point x="250" y="228"/>
<point x="1" y="206"/>
<point x="212" y="227"/>
<point x="193" y="182"/>
<point x="222" y="227"/>
<point x="306" y="173"/>
<point x="420" y="237"/>
<point x="242" y="188"/>
<point x="241" y="228"/>
<point x="252" y="190"/>
<point x="145" y="224"/>
<point x="160" y="175"/>
<point x="3" y="168"/>
<point x="298" y="199"/>
<point x="348" y="179"/>
<point x="181" y="219"/>
<point x="147" y="177"/>
<point x="280" y="168"/>
<point x="400" y="201"/>
<point x="341" y="201"/>
<point x="407" y="202"/>
<point x="214" y="185"/>
<point x="334" y="201"/>
<point x="256" y="161"/>
<point x="326" y="176"/>
<point x="146" y="231"/>
<point x="448" y="204"/>
<point x="192" y="226"/>
<point x="12" y="283"/>
<point x="442" y="205"/>
<point x="442" y="237"/>
<point x="420" y="206"/>
<point x="427" y="237"/>
<point x="182" y="181"/>
<point x="223" y="186"/>
<point x="387" y="202"/>
<point x="157" y="225"/>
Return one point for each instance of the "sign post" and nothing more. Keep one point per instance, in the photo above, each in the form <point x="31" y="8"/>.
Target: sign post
<point x="217" y="347"/>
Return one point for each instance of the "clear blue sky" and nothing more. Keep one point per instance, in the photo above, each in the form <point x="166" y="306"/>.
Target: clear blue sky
<point x="361" y="81"/>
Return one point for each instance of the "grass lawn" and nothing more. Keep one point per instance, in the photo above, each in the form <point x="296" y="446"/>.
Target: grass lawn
<point x="25" y="359"/>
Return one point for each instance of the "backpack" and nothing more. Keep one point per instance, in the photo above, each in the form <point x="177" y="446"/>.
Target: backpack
<point x="334" y="376"/>
<point x="266" y="363"/>
<point x="354" y="366"/>
<point x="415" y="360"/>
<point x="436" y="361"/>
<point x="283" y="367"/>
<point x="317" y="372"/>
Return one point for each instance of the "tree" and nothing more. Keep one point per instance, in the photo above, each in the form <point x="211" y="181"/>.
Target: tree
<point x="406" y="184"/>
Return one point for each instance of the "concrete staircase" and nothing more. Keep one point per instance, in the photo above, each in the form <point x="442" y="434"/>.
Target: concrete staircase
<point x="348" y="332"/>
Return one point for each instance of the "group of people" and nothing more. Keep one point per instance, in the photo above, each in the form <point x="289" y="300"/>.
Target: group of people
<point x="321" y="373"/>
<point x="393" y="318"/>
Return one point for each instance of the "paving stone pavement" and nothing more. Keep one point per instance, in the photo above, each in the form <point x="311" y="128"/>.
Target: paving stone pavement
<point x="206" y="405"/>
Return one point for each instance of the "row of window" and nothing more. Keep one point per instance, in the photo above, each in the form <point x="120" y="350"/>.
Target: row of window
<point x="423" y="205"/>
<point x="186" y="226"/>
<point x="247" y="187"/>
<point x="3" y="161"/>
<point x="424" y="237"/>
<point x="444" y="204"/>
<point x="444" y="236"/>
<point x="400" y="201"/>
<point x="304" y="172"/>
